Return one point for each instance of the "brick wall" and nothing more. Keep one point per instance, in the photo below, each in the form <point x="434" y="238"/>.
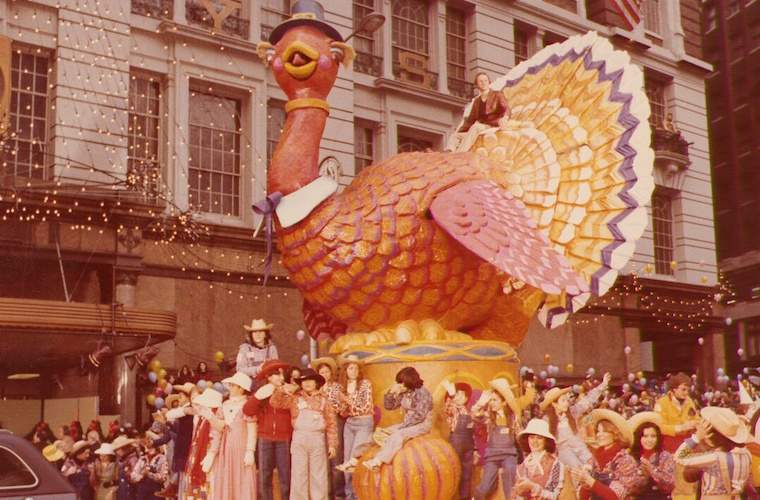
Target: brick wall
<point x="691" y="21"/>
<point x="603" y="12"/>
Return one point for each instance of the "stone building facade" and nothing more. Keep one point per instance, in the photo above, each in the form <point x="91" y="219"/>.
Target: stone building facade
<point x="139" y="133"/>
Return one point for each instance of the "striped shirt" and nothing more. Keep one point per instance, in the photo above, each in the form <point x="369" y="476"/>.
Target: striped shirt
<point x="723" y="473"/>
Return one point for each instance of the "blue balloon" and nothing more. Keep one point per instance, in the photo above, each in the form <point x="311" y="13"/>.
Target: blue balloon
<point x="152" y="377"/>
<point x="202" y="384"/>
<point x="219" y="387"/>
<point x="159" y="403"/>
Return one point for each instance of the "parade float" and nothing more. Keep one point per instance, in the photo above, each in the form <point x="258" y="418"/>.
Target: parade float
<point x="440" y="260"/>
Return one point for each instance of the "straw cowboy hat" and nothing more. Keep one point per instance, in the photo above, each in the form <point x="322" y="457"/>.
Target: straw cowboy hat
<point x="187" y="387"/>
<point x="727" y="423"/>
<point x="536" y="427"/>
<point x="325" y="360"/>
<point x="52" y="453"/>
<point x="79" y="446"/>
<point x="645" y="417"/>
<point x="258" y="325"/>
<point x="210" y="398"/>
<point x="240" y="379"/>
<point x="305" y="12"/>
<point x="553" y="395"/>
<point x="170" y="400"/>
<point x="121" y="442"/>
<point x="269" y="367"/>
<point x="351" y="358"/>
<point x="502" y="386"/>
<point x="616" y="419"/>
<point x="105" y="449"/>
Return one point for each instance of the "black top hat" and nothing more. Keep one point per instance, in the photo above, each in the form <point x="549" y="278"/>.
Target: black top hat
<point x="311" y="374"/>
<point x="301" y="13"/>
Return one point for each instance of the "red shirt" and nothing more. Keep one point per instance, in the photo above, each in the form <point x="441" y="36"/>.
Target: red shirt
<point x="273" y="424"/>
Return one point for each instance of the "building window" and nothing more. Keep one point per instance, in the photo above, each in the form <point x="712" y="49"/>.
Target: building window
<point x="456" y="55"/>
<point x="364" y="44"/>
<point x="214" y="173"/>
<point x="143" y="169"/>
<point x="364" y="146"/>
<point x="655" y="90"/>
<point x="522" y="38"/>
<point x="407" y="143"/>
<point x="662" y="231"/>
<point x="651" y="16"/>
<point x="273" y="12"/>
<point x="275" y="123"/>
<point x="410" y="42"/>
<point x="24" y="151"/>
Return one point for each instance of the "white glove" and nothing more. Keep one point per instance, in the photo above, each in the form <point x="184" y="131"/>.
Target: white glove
<point x="248" y="458"/>
<point x="451" y="390"/>
<point x="208" y="462"/>
<point x="264" y="392"/>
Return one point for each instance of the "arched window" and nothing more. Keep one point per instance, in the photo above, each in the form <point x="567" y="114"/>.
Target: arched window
<point x="411" y="28"/>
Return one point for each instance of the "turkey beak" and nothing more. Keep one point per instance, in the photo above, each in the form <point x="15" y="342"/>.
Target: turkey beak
<point x="300" y="60"/>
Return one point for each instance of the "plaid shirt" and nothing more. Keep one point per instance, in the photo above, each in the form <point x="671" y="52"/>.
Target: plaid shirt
<point x="723" y="473"/>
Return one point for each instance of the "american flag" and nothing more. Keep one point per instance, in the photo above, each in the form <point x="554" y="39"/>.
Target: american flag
<point x="630" y="10"/>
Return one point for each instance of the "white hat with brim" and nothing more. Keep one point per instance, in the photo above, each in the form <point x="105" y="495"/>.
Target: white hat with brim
<point x="122" y="441"/>
<point x="616" y="419"/>
<point x="210" y="398"/>
<point x="105" y="449"/>
<point x="325" y="360"/>
<point x="78" y="447"/>
<point x="728" y="423"/>
<point x="350" y="359"/>
<point x="537" y="427"/>
<point x="240" y="379"/>
<point x="258" y="325"/>
<point x="502" y="386"/>
<point x="553" y="395"/>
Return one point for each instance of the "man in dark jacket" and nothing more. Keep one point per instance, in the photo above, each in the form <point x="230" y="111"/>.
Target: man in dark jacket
<point x="274" y="430"/>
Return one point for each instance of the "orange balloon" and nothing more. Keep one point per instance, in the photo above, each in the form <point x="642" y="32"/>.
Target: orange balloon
<point x="569" y="368"/>
<point x="547" y="358"/>
<point x="218" y="356"/>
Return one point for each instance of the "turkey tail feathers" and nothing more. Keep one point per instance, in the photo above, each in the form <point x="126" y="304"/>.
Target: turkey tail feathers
<point x="576" y="151"/>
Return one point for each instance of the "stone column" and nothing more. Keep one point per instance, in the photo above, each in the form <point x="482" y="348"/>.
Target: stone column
<point x="439" y="53"/>
<point x="674" y="29"/>
<point x="386" y="38"/>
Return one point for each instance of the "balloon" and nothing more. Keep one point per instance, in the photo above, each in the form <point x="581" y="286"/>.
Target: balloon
<point x="634" y="399"/>
<point x="569" y="368"/>
<point x="577" y="389"/>
<point x="547" y="358"/>
<point x="168" y="389"/>
<point x="300" y="334"/>
<point x="159" y="402"/>
<point x="162" y="373"/>
<point x="155" y="365"/>
<point x="639" y="374"/>
<point x="202" y="384"/>
<point x="700" y="341"/>
<point x="643" y="381"/>
<point x="591" y="371"/>
<point x="158" y="392"/>
<point x="626" y="387"/>
<point x="543" y="374"/>
<point x="150" y="399"/>
<point x="613" y="403"/>
<point x="740" y="351"/>
<point x="305" y="360"/>
<point x="729" y="320"/>
<point x="746" y="370"/>
<point x="152" y="377"/>
<point x="721" y="371"/>
<point x="627" y="350"/>
<point x="631" y="377"/>
<point x="218" y="356"/>
<point x="219" y="387"/>
<point x="162" y="383"/>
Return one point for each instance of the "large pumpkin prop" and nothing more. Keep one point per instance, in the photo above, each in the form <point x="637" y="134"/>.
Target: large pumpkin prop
<point x="426" y="468"/>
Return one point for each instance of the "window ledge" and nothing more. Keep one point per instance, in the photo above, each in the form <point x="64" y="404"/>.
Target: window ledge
<point x="431" y="95"/>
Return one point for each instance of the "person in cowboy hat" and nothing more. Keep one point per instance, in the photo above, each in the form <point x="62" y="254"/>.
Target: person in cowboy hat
<point x="257" y="348"/>
<point x="655" y="464"/>
<point x="359" y="410"/>
<point x="328" y="368"/>
<point x="541" y="475"/>
<point x="106" y="472"/>
<point x="78" y="469"/>
<point x="230" y="459"/>
<point x="500" y="411"/>
<point x="150" y="471"/>
<point x="458" y="410"/>
<point x="54" y="454"/>
<point x="274" y="430"/>
<point x="180" y="421"/>
<point x="126" y="458"/>
<point x="564" y="418"/>
<point x="615" y="474"/>
<point x="204" y="405"/>
<point x="717" y="452"/>
<point x="314" y="425"/>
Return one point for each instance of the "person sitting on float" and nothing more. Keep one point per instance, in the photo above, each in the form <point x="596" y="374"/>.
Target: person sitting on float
<point x="655" y="464"/>
<point x="615" y="474"/>
<point x="257" y="348"/>
<point x="541" y="475"/>
<point x="409" y="394"/>
<point x="488" y="110"/>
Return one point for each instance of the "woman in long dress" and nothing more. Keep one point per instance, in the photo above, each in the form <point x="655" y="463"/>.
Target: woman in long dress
<point x="230" y="459"/>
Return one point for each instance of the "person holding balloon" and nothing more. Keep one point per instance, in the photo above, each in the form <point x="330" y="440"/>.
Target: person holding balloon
<point x="257" y="348"/>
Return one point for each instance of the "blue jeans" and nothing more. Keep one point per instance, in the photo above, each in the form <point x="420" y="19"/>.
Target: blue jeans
<point x="273" y="454"/>
<point x="508" y="466"/>
<point x="464" y="446"/>
<point x="357" y="433"/>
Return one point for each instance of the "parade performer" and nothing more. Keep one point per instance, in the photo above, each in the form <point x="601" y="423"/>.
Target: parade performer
<point x="615" y="474"/>
<point x="358" y="410"/>
<point x="409" y="394"/>
<point x="487" y="110"/>
<point x="78" y="469"/>
<point x="314" y="429"/>
<point x="257" y="348"/>
<point x="461" y="427"/>
<point x="655" y="464"/>
<point x="106" y="473"/>
<point x="541" y="475"/>
<point x="274" y="431"/>
<point x="716" y="452"/>
<point x="180" y="419"/>
<point x="501" y="412"/>
<point x="230" y="458"/>
<point x="126" y="458"/>
<point x="150" y="472"/>
<point x="328" y="368"/>
<point x="564" y="421"/>
<point x="206" y="406"/>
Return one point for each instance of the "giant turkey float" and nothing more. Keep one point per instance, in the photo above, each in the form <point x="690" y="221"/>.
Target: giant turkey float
<point x="441" y="259"/>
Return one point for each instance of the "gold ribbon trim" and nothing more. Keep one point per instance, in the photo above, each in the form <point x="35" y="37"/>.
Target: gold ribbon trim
<point x="307" y="102"/>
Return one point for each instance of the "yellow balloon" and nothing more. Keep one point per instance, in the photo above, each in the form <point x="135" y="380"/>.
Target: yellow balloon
<point x="639" y="374"/>
<point x="162" y="373"/>
<point x="569" y="368"/>
<point x="162" y="383"/>
<point x="155" y="366"/>
<point x="151" y="399"/>
<point x="218" y="356"/>
<point x="547" y="358"/>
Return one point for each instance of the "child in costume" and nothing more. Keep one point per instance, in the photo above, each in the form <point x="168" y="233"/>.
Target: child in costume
<point x="206" y="406"/>
<point x="461" y="425"/>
